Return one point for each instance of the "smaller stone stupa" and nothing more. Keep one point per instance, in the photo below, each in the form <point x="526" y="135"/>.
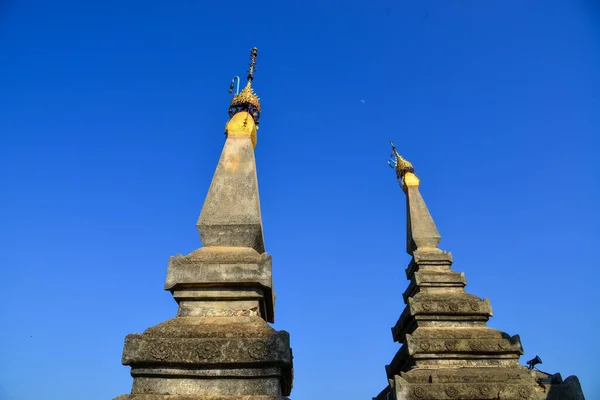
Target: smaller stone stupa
<point x="220" y="345"/>
<point x="447" y="351"/>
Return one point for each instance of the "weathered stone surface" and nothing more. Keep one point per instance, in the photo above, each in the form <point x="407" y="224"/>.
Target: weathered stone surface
<point x="439" y="279"/>
<point x="195" y="397"/>
<point x="448" y="304"/>
<point x="517" y="375"/>
<point x="199" y="279"/>
<point x="264" y="384"/>
<point x="433" y="259"/>
<point x="220" y="346"/>
<point x="231" y="212"/>
<point x="193" y="346"/>
<point x="423" y="280"/>
<point x="184" y="272"/>
<point x="447" y="352"/>
<point x="463" y="342"/>
<point x="441" y="310"/>
<point x="421" y="230"/>
<point x="177" y="351"/>
<point x="431" y="348"/>
<point x="479" y="391"/>
<point x="227" y="356"/>
<point x="461" y="383"/>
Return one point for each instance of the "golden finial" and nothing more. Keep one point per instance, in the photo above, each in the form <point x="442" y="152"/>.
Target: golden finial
<point x="246" y="100"/>
<point x="405" y="172"/>
<point x="253" y="54"/>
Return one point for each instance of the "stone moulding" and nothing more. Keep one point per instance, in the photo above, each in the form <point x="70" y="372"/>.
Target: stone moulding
<point x="194" y="397"/>
<point x="463" y="304"/>
<point x="464" y="345"/>
<point x="226" y="268"/>
<point x="485" y="387"/>
<point x="429" y="258"/>
<point x="441" y="309"/>
<point x="193" y="351"/>
<point x="471" y="391"/>
<point x="436" y="279"/>
<point x="189" y="269"/>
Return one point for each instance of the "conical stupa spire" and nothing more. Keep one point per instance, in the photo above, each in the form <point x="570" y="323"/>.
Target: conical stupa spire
<point x="231" y="212"/>
<point x="245" y="103"/>
<point x="446" y="349"/>
<point x="230" y="223"/>
<point x="220" y="346"/>
<point x="421" y="230"/>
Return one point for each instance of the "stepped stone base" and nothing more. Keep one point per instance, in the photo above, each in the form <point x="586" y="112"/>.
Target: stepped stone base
<point x="447" y="351"/>
<point x="480" y="384"/>
<point x="465" y="383"/>
<point x="233" y="358"/>
<point x="441" y="347"/>
<point x="183" y="397"/>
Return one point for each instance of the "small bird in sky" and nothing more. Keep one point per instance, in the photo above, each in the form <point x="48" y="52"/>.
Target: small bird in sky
<point x="362" y="101"/>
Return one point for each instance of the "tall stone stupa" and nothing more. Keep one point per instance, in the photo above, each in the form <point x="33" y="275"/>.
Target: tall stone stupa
<point x="220" y="345"/>
<point x="447" y="351"/>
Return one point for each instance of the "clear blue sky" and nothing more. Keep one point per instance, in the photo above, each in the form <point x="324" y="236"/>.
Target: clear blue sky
<point x="111" y="120"/>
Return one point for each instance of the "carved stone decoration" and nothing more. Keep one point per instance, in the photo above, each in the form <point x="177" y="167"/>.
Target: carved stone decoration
<point x="160" y="351"/>
<point x="208" y="351"/>
<point x="451" y="344"/>
<point x="524" y="392"/>
<point x="257" y="350"/>
<point x="451" y="392"/>
<point x="447" y="350"/>
<point x="224" y="292"/>
<point x="419" y="392"/>
<point x="183" y="352"/>
<point x="477" y="345"/>
<point x="465" y="306"/>
<point x="485" y="390"/>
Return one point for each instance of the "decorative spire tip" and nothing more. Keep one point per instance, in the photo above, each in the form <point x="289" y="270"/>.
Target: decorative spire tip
<point x="246" y="100"/>
<point x="405" y="172"/>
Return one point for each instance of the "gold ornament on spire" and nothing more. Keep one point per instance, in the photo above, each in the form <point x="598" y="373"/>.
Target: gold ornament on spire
<point x="246" y="100"/>
<point x="405" y="172"/>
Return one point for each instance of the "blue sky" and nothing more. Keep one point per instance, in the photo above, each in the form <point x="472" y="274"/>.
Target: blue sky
<point x="111" y="121"/>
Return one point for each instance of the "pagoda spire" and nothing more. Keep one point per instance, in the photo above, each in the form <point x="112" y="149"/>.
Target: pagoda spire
<point x="231" y="212"/>
<point x="421" y="230"/>
<point x="447" y="351"/>
<point x="244" y="109"/>
<point x="220" y="346"/>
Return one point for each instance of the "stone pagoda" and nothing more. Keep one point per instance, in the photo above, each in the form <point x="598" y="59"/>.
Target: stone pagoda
<point x="220" y="345"/>
<point x="447" y="351"/>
